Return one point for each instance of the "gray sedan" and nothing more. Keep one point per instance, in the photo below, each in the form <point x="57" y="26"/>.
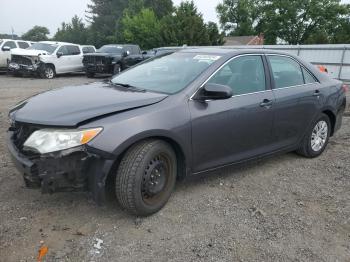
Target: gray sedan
<point x="174" y="115"/>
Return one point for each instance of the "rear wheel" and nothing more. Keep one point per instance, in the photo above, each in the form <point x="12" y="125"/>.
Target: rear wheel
<point x="316" y="140"/>
<point x="146" y="177"/>
<point x="90" y="74"/>
<point x="48" y="72"/>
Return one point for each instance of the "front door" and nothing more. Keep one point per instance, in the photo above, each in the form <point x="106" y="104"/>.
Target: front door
<point x="63" y="63"/>
<point x="228" y="131"/>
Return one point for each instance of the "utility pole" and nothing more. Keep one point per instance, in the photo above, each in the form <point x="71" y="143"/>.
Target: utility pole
<point x="12" y="32"/>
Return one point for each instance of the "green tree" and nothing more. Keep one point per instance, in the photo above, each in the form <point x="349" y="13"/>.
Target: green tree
<point x="238" y="17"/>
<point x="142" y="29"/>
<point x="184" y="27"/>
<point x="160" y="7"/>
<point x="292" y="22"/>
<point x="37" y="33"/>
<point x="105" y="16"/>
<point x="74" y="32"/>
<point x="215" y="37"/>
<point x="296" y="22"/>
<point x="341" y="32"/>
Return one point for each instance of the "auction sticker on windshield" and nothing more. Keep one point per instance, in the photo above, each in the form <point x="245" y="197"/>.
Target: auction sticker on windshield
<point x="207" y="57"/>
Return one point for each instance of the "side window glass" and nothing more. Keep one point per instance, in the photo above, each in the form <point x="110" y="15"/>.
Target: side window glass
<point x="309" y="79"/>
<point x="286" y="72"/>
<point x="128" y="48"/>
<point x="23" y="45"/>
<point x="10" y="44"/>
<point x="88" y="49"/>
<point x="136" y="50"/>
<point x="63" y="49"/>
<point x="244" y="75"/>
<point x="73" y="50"/>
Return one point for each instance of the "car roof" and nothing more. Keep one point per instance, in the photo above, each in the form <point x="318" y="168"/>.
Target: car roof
<point x="7" y="39"/>
<point x="120" y="45"/>
<point x="57" y="43"/>
<point x="229" y="51"/>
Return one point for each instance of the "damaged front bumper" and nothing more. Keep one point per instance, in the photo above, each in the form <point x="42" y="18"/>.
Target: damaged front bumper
<point x="14" y="67"/>
<point x="98" y="68"/>
<point x="77" y="169"/>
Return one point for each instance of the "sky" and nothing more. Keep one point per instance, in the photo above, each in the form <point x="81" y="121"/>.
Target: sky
<point x="22" y="15"/>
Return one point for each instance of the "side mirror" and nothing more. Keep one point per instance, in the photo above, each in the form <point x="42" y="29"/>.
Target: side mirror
<point x="59" y="54"/>
<point x="6" y="48"/>
<point x="213" y="92"/>
<point x="144" y="52"/>
<point x="126" y="53"/>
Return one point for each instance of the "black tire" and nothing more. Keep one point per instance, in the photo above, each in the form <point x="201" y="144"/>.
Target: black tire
<point x="145" y="163"/>
<point x="90" y="74"/>
<point x="16" y="74"/>
<point x="48" y="72"/>
<point x="306" y="149"/>
<point x="117" y="69"/>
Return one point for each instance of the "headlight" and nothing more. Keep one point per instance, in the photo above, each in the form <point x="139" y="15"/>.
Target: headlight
<point x="51" y="140"/>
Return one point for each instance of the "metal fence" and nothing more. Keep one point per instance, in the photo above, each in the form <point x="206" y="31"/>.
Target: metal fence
<point x="336" y="58"/>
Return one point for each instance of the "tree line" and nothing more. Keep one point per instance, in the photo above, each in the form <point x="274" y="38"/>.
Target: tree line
<point x="154" y="23"/>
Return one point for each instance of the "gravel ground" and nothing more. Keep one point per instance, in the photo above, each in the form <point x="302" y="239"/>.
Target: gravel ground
<point x="285" y="208"/>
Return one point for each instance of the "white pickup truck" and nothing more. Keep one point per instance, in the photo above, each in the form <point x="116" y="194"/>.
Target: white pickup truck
<point x="47" y="59"/>
<point x="6" y="45"/>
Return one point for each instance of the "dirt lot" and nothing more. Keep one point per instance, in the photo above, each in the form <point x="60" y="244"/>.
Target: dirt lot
<point x="285" y="208"/>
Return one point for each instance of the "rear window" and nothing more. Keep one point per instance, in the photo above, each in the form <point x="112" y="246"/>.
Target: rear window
<point x="88" y="49"/>
<point x="23" y="45"/>
<point x="73" y="50"/>
<point x="309" y="78"/>
<point x="286" y="71"/>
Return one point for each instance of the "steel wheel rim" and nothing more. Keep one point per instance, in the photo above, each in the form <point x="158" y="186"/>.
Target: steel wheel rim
<point x="319" y="136"/>
<point x="156" y="179"/>
<point x="49" y="72"/>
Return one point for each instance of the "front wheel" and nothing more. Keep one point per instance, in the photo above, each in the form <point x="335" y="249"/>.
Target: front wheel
<point x="146" y="177"/>
<point x="316" y="140"/>
<point x="117" y="69"/>
<point x="48" y="72"/>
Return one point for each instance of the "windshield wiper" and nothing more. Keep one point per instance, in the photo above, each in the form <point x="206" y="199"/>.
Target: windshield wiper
<point x="131" y="87"/>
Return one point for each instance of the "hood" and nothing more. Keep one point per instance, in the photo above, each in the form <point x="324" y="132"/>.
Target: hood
<point x="104" y="54"/>
<point x="70" y="106"/>
<point x="28" y="52"/>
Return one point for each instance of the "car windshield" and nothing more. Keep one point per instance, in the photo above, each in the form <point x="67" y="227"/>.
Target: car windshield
<point x="50" y="48"/>
<point x="168" y="74"/>
<point x="110" y="49"/>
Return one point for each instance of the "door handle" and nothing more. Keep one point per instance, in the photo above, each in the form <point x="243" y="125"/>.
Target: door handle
<point x="266" y="103"/>
<point x="317" y="93"/>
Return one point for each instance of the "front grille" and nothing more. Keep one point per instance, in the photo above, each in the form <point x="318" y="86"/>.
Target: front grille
<point x="21" y="60"/>
<point x="21" y="132"/>
<point x="96" y="60"/>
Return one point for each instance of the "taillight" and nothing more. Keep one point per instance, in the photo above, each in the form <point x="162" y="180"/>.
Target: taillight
<point x="345" y="88"/>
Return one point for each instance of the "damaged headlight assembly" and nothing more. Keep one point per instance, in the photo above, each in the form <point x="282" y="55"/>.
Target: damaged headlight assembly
<point x="52" y="140"/>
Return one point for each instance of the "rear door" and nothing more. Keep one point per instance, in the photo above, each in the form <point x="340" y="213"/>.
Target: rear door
<point x="76" y="58"/>
<point x="227" y="131"/>
<point x="298" y="98"/>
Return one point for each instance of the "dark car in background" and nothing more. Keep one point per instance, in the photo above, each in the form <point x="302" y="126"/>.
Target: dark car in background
<point x="174" y="115"/>
<point x="112" y="59"/>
